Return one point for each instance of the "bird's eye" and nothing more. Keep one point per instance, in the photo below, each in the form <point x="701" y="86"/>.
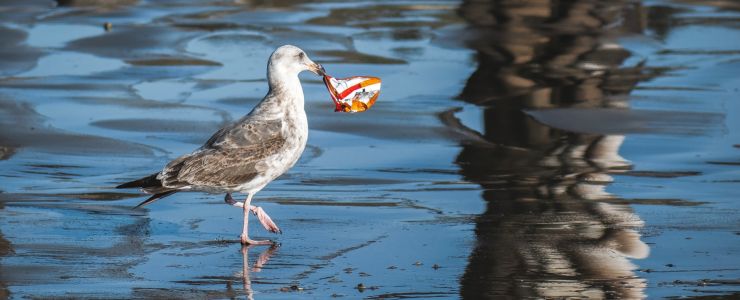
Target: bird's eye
<point x="301" y="55"/>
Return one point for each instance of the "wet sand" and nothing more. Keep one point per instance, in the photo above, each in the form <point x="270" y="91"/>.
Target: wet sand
<point x="519" y="149"/>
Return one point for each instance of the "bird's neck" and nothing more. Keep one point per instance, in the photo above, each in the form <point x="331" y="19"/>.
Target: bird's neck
<point x="288" y="87"/>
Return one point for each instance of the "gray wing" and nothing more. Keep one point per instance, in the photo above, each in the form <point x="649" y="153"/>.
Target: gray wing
<point x="247" y="131"/>
<point x="231" y="157"/>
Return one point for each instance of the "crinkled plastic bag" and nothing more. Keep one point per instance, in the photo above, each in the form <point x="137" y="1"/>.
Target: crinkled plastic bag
<point x="353" y="94"/>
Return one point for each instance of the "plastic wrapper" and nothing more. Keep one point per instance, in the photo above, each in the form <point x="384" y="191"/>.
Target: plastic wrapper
<point x="353" y="94"/>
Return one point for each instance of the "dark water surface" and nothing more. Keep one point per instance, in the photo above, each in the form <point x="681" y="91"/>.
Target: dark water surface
<point x="519" y="149"/>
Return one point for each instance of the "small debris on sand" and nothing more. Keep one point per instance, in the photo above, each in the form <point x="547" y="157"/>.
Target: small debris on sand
<point x="335" y="280"/>
<point x="292" y="288"/>
<point x="361" y="287"/>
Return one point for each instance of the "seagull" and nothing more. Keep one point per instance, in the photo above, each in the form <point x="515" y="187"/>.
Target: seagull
<point x="243" y="157"/>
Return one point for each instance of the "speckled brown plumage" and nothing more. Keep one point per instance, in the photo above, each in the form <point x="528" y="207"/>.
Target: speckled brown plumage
<point x="220" y="168"/>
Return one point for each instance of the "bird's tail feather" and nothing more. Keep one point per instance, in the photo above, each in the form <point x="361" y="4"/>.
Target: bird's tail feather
<point x="149" y="184"/>
<point x="156" y="197"/>
<point x="146" y="182"/>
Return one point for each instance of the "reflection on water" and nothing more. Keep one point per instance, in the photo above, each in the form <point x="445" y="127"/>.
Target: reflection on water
<point x="5" y="249"/>
<point x="554" y="220"/>
<point x="258" y="264"/>
<point x="545" y="232"/>
<point x="95" y="3"/>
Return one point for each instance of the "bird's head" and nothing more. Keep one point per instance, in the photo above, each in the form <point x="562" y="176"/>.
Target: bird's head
<point x="291" y="60"/>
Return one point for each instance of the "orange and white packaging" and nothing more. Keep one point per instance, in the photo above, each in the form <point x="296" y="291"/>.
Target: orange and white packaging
<point x="353" y="94"/>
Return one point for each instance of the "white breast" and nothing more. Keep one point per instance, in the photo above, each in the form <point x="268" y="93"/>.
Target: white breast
<point x="295" y="130"/>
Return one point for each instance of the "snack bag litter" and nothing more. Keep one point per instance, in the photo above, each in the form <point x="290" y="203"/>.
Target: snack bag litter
<point x="353" y="94"/>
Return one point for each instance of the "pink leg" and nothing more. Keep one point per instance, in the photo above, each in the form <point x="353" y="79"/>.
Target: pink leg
<point x="264" y="218"/>
<point x="245" y="230"/>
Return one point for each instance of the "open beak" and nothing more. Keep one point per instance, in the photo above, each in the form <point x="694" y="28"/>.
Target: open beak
<point x="316" y="69"/>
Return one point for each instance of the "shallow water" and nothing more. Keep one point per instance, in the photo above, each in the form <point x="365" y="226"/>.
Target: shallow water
<point x="522" y="149"/>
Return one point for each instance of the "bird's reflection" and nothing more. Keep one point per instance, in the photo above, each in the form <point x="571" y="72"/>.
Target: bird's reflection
<point x="261" y="260"/>
<point x="549" y="229"/>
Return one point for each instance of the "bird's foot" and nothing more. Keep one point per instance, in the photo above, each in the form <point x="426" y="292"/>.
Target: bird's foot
<point x="247" y="241"/>
<point x="230" y="201"/>
<point x="265" y="219"/>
